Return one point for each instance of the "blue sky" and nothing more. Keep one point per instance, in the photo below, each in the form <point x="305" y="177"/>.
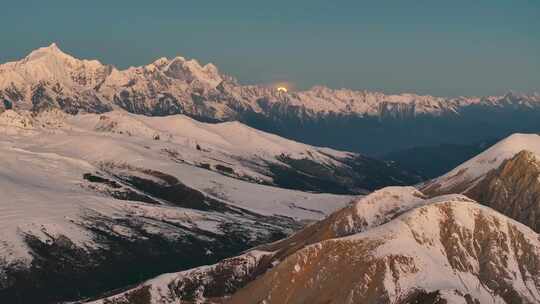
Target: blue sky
<point x="435" y="47"/>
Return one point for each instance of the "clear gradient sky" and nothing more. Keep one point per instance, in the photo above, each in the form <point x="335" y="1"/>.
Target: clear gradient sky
<point x="458" y="47"/>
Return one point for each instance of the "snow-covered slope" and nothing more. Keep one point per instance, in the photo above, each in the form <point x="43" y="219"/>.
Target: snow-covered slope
<point x="392" y="246"/>
<point x="472" y="171"/>
<point x="87" y="197"/>
<point x="234" y="137"/>
<point x="228" y="148"/>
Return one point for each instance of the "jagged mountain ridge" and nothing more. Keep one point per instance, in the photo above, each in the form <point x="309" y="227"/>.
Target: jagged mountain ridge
<point x="61" y="75"/>
<point x="513" y="189"/>
<point x="50" y="78"/>
<point x="392" y="246"/>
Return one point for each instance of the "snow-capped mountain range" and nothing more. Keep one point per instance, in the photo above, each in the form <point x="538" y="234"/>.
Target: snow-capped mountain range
<point x="48" y="77"/>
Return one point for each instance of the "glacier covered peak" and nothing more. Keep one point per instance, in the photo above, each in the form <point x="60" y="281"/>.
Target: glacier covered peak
<point x="51" y="50"/>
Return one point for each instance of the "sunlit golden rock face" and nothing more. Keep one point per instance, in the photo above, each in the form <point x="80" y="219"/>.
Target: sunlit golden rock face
<point x="513" y="189"/>
<point x="282" y="89"/>
<point x="376" y="267"/>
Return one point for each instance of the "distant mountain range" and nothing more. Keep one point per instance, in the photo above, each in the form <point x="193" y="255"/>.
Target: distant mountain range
<point x="369" y="122"/>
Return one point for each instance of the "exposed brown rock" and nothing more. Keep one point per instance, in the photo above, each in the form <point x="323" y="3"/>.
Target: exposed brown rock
<point x="513" y="189"/>
<point x="351" y="271"/>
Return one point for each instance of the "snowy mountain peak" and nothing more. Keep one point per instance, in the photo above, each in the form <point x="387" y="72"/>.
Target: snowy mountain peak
<point x="52" y="49"/>
<point x="50" y="65"/>
<point x="190" y="70"/>
<point x="52" y="55"/>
